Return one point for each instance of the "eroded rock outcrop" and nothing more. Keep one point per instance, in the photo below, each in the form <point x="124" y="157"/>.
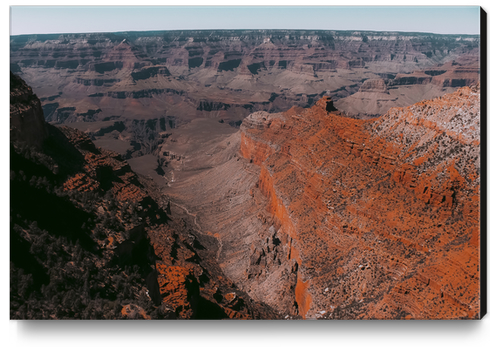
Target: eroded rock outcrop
<point x="221" y="73"/>
<point x="105" y="247"/>
<point x="26" y="115"/>
<point x="450" y="74"/>
<point x="373" y="85"/>
<point x="376" y="96"/>
<point x="382" y="216"/>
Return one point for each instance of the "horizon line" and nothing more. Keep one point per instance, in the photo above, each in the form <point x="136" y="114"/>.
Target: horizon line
<point x="175" y="30"/>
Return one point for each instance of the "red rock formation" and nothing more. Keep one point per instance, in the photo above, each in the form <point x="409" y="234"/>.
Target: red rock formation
<point x="383" y="215"/>
<point x="102" y="167"/>
<point x="373" y="85"/>
<point x="135" y="75"/>
<point x="450" y="74"/>
<point x="134" y="312"/>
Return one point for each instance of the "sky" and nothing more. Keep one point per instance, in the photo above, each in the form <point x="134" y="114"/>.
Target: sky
<point x="81" y="19"/>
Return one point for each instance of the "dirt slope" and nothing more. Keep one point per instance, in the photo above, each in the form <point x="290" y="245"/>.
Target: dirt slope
<point x="338" y="218"/>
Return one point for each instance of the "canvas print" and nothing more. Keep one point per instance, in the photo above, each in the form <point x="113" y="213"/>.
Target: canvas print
<point x="267" y="163"/>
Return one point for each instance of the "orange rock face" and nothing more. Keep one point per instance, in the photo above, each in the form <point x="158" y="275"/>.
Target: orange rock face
<point x="134" y="312"/>
<point x="172" y="283"/>
<point x="102" y="166"/>
<point x="383" y="214"/>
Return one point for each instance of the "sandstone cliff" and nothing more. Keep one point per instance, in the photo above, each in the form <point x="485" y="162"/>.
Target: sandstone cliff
<point x="323" y="216"/>
<point x="383" y="215"/>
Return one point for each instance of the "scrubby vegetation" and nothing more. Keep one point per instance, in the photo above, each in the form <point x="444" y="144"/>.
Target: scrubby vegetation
<point x="64" y="263"/>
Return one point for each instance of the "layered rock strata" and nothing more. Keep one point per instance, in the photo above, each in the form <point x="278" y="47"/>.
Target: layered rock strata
<point x="218" y="73"/>
<point x="383" y="215"/>
<point x="327" y="217"/>
<point x="376" y="96"/>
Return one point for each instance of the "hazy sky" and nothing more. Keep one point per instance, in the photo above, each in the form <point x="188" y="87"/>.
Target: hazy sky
<point x="76" y="19"/>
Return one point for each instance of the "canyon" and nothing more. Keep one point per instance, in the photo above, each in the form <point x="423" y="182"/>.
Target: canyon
<point x="134" y="87"/>
<point x="90" y="239"/>
<point x="246" y="174"/>
<point x="327" y="217"/>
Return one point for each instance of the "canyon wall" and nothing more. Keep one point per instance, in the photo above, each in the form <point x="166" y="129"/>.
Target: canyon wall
<point x="376" y="96"/>
<point x="327" y="217"/>
<point x="134" y="88"/>
<point x="383" y="214"/>
<point x="90" y="239"/>
<point x="27" y="124"/>
<point x="219" y="73"/>
<point x="313" y="213"/>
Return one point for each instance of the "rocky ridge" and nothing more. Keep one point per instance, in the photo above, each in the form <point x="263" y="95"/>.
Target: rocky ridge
<point x="114" y="246"/>
<point x="227" y="73"/>
<point x="26" y="116"/>
<point x="376" y="96"/>
<point x="327" y="217"/>
<point x="383" y="214"/>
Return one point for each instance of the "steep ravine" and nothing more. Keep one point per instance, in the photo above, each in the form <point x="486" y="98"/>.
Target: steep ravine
<point x="324" y="216"/>
<point x="129" y="90"/>
<point x="90" y="239"/>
